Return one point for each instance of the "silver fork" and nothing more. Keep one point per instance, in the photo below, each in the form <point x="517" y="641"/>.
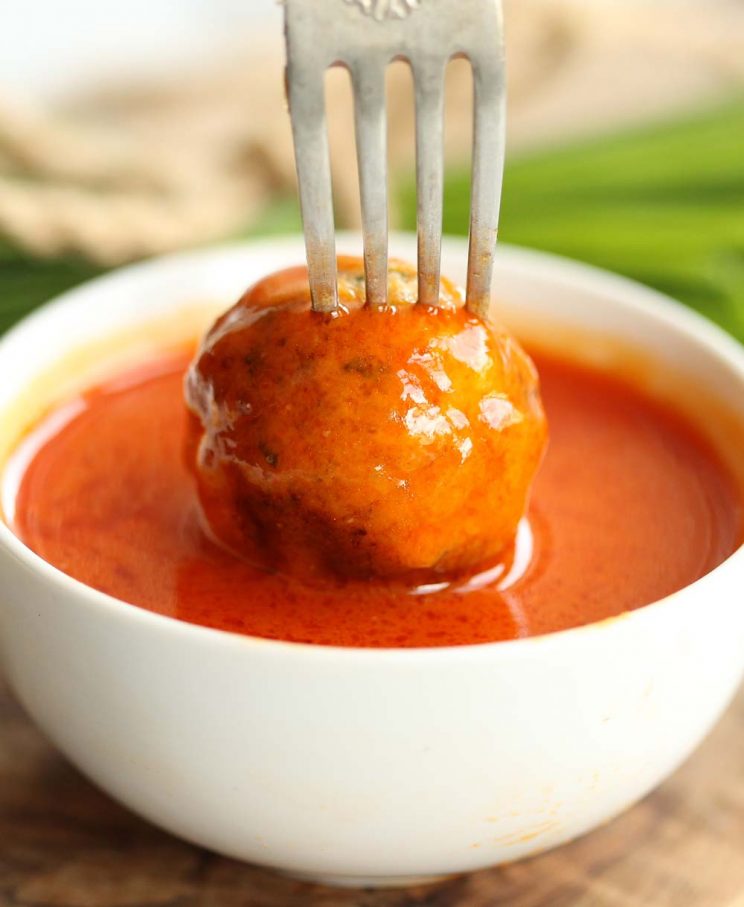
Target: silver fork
<point x="364" y="36"/>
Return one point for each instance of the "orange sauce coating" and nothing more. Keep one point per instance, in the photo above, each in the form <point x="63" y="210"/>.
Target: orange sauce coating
<point x="630" y="504"/>
<point x="397" y="442"/>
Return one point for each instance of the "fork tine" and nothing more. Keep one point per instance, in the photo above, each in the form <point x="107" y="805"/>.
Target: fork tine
<point x="489" y="117"/>
<point x="371" y="141"/>
<point x="305" y="90"/>
<point x="429" y="94"/>
<point x="363" y="35"/>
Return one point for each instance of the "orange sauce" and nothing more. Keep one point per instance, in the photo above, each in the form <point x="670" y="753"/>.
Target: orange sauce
<point x="630" y="504"/>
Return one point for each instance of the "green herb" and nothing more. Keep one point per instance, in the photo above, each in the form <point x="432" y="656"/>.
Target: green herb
<point x="664" y="205"/>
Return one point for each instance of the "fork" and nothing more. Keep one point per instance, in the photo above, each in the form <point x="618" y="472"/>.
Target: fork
<point x="365" y="36"/>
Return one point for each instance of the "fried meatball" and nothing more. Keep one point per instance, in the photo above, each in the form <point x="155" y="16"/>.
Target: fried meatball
<point x="396" y="442"/>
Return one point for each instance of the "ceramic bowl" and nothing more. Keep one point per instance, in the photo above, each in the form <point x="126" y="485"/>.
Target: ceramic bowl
<point x="367" y="766"/>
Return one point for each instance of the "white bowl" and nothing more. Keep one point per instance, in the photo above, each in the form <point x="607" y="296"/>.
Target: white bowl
<point x="368" y="766"/>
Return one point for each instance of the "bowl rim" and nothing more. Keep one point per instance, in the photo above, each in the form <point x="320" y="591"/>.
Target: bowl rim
<point x="558" y="269"/>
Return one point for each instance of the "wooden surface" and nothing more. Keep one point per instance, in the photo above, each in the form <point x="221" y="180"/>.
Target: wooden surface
<point x="64" y="844"/>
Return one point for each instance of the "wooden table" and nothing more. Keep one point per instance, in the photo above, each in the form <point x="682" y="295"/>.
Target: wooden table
<point x="65" y="844"/>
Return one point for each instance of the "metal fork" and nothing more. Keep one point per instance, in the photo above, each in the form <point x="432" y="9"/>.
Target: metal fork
<point x="365" y="36"/>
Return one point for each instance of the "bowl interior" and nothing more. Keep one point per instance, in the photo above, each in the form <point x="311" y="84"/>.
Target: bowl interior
<point x="97" y="330"/>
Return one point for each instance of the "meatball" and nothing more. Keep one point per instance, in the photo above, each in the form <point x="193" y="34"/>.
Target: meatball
<point x="396" y="442"/>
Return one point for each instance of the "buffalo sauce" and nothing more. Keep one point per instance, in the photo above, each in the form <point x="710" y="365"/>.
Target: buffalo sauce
<point x="396" y="442"/>
<point x="630" y="504"/>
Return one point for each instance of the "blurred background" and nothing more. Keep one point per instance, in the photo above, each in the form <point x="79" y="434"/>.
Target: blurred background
<point x="132" y="129"/>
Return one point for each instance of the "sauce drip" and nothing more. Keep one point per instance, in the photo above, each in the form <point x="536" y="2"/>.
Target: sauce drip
<point x="630" y="505"/>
